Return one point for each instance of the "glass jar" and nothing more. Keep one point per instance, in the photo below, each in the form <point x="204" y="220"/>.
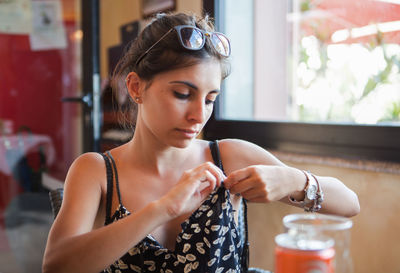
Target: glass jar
<point x="327" y="237"/>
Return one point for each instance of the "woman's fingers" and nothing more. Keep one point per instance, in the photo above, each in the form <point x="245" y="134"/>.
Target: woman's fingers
<point x="193" y="187"/>
<point x="236" y="177"/>
<point x="243" y="185"/>
<point x="208" y="176"/>
<point x="251" y="183"/>
<point x="212" y="176"/>
<point x="217" y="172"/>
<point x="211" y="173"/>
<point x="207" y="180"/>
<point x="211" y="182"/>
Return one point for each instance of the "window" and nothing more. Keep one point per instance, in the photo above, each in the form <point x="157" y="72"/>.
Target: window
<point x="319" y="77"/>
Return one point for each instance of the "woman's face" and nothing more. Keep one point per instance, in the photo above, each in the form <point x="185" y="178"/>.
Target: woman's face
<point x="178" y="103"/>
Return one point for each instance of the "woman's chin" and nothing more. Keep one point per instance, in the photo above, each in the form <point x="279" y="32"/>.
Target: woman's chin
<point x="183" y="143"/>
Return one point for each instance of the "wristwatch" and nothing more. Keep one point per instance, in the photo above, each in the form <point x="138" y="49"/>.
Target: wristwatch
<point x="310" y="192"/>
<point x="313" y="196"/>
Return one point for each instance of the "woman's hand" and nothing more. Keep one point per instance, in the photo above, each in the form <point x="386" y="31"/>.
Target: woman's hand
<point x="191" y="190"/>
<point x="263" y="183"/>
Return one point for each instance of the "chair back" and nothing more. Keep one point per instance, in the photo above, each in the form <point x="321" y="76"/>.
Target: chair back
<point x="56" y="197"/>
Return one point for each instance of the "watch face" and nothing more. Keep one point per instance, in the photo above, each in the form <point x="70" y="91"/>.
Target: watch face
<point x="312" y="192"/>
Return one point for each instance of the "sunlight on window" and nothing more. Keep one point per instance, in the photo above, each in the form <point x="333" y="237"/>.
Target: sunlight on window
<point x="324" y="61"/>
<point x="347" y="75"/>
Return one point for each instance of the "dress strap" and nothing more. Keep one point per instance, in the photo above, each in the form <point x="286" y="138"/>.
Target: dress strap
<point x="216" y="154"/>
<point x="245" y="252"/>
<point x="116" y="177"/>
<point x="109" y="188"/>
<point x="111" y="172"/>
<point x="245" y="263"/>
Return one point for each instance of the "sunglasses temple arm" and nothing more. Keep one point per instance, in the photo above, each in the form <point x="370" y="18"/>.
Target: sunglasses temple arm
<point x="156" y="43"/>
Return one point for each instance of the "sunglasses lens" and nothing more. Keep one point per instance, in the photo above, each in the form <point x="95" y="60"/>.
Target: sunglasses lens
<point x="191" y="38"/>
<point x="221" y="44"/>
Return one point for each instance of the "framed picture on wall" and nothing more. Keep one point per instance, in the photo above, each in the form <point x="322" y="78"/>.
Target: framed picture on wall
<point x="152" y="7"/>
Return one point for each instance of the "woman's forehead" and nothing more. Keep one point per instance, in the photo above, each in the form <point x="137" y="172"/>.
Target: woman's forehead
<point x="201" y="73"/>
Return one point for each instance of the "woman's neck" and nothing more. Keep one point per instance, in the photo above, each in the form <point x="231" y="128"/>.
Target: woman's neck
<point x="157" y="157"/>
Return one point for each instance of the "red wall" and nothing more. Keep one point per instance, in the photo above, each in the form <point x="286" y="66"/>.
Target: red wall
<point x="32" y="84"/>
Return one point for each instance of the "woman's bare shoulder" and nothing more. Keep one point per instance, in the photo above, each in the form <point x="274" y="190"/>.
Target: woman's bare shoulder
<point x="88" y="162"/>
<point x="82" y="195"/>
<point x="88" y="167"/>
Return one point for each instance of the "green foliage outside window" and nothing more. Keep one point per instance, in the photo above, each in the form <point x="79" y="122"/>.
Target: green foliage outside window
<point x="350" y="81"/>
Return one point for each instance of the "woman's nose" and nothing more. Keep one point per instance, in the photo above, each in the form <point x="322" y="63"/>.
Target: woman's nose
<point x="197" y="111"/>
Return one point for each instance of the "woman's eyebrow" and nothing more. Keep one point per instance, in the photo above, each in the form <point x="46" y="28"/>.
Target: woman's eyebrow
<point x="191" y="85"/>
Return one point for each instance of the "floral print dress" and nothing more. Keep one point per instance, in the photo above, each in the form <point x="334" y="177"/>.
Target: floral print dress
<point x="209" y="241"/>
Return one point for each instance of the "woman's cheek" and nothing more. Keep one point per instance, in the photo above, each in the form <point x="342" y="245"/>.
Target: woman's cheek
<point x="209" y="112"/>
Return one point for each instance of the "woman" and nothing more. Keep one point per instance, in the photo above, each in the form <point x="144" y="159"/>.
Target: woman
<point x="181" y="205"/>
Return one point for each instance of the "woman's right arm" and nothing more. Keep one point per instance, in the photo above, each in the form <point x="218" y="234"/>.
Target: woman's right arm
<point x="73" y="246"/>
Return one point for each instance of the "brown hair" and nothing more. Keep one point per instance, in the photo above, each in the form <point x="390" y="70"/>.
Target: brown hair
<point x="168" y="54"/>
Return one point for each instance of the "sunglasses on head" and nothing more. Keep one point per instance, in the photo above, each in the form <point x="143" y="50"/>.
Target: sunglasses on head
<point x="193" y="38"/>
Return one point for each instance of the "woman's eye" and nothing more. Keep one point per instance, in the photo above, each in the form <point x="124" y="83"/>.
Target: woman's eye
<point x="181" y="96"/>
<point x="210" y="101"/>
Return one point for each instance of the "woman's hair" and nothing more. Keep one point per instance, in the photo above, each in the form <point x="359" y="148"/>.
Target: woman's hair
<point x="168" y="54"/>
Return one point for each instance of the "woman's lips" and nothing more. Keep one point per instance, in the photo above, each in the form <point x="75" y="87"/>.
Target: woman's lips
<point x="189" y="133"/>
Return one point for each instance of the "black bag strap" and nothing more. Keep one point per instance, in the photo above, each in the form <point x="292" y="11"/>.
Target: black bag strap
<point x="245" y="252"/>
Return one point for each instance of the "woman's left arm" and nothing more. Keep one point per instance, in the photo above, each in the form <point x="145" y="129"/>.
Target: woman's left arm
<point x="258" y="176"/>
<point x="338" y="199"/>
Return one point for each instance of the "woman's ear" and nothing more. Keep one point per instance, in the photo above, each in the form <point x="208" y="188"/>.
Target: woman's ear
<point x="135" y="86"/>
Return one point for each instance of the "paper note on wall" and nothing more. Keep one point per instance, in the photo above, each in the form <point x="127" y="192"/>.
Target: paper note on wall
<point x="15" y="16"/>
<point x="48" y="31"/>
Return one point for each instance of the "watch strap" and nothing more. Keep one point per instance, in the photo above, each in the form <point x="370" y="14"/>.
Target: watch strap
<point x="313" y="204"/>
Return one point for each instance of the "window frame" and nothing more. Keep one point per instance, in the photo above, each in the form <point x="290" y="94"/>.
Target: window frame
<point x="368" y="142"/>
